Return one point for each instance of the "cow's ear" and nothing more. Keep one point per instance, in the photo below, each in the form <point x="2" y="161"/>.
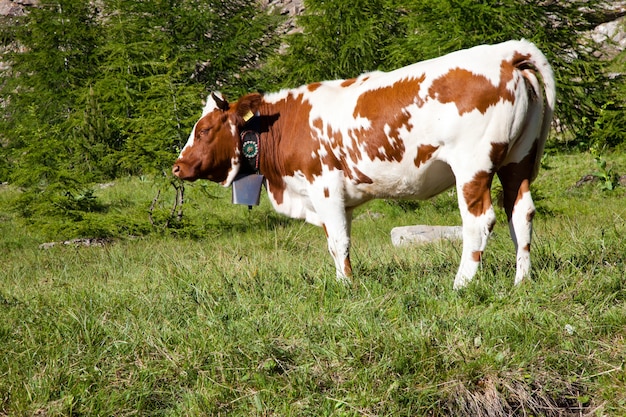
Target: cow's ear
<point x="247" y="106"/>
<point x="220" y="101"/>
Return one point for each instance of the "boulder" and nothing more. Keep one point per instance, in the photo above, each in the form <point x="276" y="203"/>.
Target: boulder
<point x="421" y="234"/>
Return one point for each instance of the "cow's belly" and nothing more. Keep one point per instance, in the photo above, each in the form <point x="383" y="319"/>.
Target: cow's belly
<point x="388" y="180"/>
<point x="393" y="181"/>
<point x="295" y="200"/>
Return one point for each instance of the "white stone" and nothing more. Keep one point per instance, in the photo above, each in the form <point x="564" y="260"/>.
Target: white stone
<point x="421" y="234"/>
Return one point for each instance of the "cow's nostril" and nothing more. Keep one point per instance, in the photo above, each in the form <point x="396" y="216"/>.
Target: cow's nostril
<point x="176" y="170"/>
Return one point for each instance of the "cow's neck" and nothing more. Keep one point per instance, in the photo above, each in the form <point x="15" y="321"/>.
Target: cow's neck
<point x="279" y="135"/>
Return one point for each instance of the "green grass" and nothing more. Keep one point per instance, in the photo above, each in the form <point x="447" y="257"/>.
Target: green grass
<point x="238" y="313"/>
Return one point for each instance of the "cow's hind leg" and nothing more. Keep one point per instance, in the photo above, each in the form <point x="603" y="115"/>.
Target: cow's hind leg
<point x="478" y="216"/>
<point x="520" y="210"/>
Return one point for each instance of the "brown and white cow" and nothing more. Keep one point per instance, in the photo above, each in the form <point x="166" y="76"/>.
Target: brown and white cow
<point x="328" y="147"/>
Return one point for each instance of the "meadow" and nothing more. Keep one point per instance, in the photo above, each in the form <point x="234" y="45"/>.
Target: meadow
<point x="237" y="312"/>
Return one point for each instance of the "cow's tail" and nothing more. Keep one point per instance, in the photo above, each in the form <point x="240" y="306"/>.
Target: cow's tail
<point x="536" y="61"/>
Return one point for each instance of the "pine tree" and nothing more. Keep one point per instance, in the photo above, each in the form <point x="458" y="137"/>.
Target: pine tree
<point x="558" y="28"/>
<point x="340" y="39"/>
<point x="94" y="92"/>
<point x="99" y="89"/>
<point x="343" y="39"/>
<point x="56" y="43"/>
<point x="156" y="62"/>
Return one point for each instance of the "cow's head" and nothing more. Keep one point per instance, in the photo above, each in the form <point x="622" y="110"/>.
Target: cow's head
<point x="213" y="149"/>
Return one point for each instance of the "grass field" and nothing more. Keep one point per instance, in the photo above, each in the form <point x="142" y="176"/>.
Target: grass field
<point x="237" y="313"/>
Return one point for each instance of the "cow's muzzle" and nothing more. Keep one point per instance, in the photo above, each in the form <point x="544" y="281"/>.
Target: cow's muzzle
<point x="176" y="170"/>
<point x="185" y="172"/>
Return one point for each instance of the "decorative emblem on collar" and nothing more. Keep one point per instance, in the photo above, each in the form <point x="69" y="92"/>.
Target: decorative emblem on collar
<point x="250" y="148"/>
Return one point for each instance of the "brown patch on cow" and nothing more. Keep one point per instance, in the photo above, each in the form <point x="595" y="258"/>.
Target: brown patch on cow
<point x="318" y="124"/>
<point x="354" y="152"/>
<point x="527" y="248"/>
<point x="347" y="267"/>
<point x="334" y="156"/>
<point x="340" y="161"/>
<point x="477" y="255"/>
<point x="386" y="107"/>
<point x="360" y="177"/>
<point x="521" y="61"/>
<point x="524" y="188"/>
<point x="530" y="216"/>
<point x="325" y="230"/>
<point x="330" y="160"/>
<point x="335" y="141"/>
<point x="498" y="153"/>
<point x="348" y="83"/>
<point x="314" y="86"/>
<point x="326" y="192"/>
<point x="469" y="91"/>
<point x="288" y="144"/>
<point x="424" y="153"/>
<point x="477" y="193"/>
<point x="331" y="135"/>
<point x="402" y="121"/>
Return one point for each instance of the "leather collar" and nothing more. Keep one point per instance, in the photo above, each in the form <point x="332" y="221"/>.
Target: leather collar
<point x="251" y="143"/>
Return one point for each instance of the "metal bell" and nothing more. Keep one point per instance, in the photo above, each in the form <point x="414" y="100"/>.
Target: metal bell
<point x="247" y="189"/>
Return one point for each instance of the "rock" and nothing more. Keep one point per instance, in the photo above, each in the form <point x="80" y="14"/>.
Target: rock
<point x="287" y="7"/>
<point x="369" y="215"/>
<point x="87" y="242"/>
<point x="11" y="8"/>
<point x="421" y="234"/>
<point x="612" y="37"/>
<point x="106" y="185"/>
<point x="586" y="179"/>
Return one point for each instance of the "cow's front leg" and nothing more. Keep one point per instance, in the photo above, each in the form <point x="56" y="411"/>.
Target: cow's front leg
<point x="337" y="232"/>
<point x="336" y="221"/>
<point x="479" y="217"/>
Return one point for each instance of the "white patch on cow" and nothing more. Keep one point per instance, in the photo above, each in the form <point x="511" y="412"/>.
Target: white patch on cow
<point x="190" y="140"/>
<point x="234" y="170"/>
<point x="296" y="200"/>
<point x="273" y="98"/>
<point x="334" y="217"/>
<point x="322" y="153"/>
